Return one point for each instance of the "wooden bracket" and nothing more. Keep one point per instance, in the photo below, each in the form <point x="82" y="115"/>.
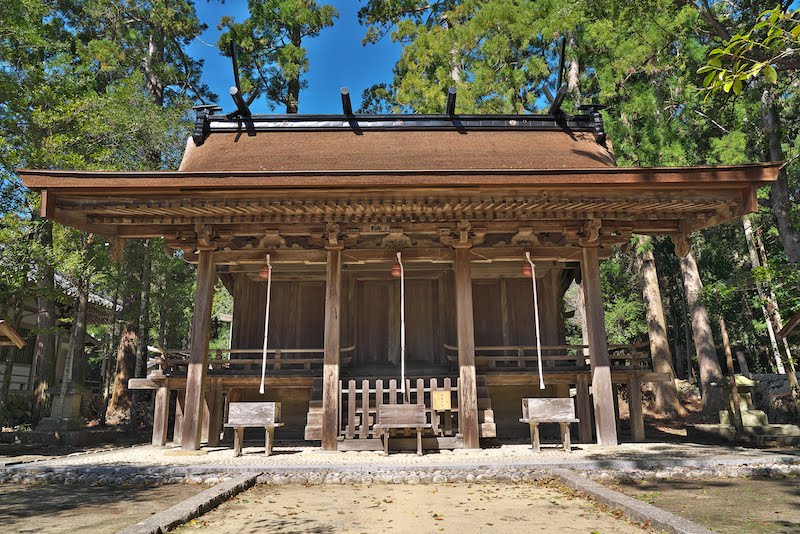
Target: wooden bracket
<point x="525" y="238"/>
<point x="396" y="239"/>
<point x="590" y="232"/>
<point x="332" y="231"/>
<point x="204" y="236"/>
<point x="272" y="239"/>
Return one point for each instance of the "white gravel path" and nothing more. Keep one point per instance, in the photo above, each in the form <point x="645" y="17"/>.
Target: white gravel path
<point x="302" y="455"/>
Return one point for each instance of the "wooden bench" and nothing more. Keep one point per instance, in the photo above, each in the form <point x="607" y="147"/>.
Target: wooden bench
<point x="264" y="415"/>
<point x="399" y="416"/>
<point x="562" y="411"/>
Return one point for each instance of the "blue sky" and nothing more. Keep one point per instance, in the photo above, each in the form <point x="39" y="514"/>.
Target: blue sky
<point x="337" y="59"/>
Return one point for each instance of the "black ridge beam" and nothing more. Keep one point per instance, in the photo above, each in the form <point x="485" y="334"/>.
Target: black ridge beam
<point x="555" y="107"/>
<point x="241" y="106"/>
<point x="235" y="60"/>
<point x="561" y="58"/>
<point x="451" y="101"/>
<point x="347" y="107"/>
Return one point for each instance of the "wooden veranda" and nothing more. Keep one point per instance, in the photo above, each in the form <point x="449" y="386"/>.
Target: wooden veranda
<point x="332" y="199"/>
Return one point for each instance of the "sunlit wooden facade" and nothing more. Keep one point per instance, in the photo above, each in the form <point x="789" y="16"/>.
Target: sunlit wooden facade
<point x="332" y="199"/>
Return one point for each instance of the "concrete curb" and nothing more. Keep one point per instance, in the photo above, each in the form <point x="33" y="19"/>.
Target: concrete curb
<point x="193" y="506"/>
<point x="633" y="508"/>
<point x="767" y="462"/>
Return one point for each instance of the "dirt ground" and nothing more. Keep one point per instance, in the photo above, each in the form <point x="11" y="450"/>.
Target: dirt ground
<point x="46" y="509"/>
<point x="412" y="509"/>
<point x="728" y="505"/>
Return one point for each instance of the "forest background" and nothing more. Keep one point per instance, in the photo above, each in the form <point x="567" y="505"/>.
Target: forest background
<point x="100" y="84"/>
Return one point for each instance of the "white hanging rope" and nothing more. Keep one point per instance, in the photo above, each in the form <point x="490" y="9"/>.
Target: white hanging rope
<point x="402" y="326"/>
<point x="536" y="318"/>
<point x="266" y="327"/>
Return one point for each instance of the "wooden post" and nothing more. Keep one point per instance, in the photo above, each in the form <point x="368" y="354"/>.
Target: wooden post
<point x="177" y="432"/>
<point x="468" y="391"/>
<point x="216" y="406"/>
<point x="583" y="408"/>
<point x="330" y="376"/>
<point x="198" y="355"/>
<point x="206" y="418"/>
<point x="602" y="392"/>
<point x="161" y="417"/>
<point x="635" y="408"/>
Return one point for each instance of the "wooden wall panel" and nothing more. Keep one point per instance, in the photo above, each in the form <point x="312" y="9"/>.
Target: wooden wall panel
<point x="487" y="312"/>
<point x="310" y="315"/>
<point x="372" y="336"/>
<point x="249" y="299"/>
<point x="421" y="309"/>
<point x="297" y="314"/>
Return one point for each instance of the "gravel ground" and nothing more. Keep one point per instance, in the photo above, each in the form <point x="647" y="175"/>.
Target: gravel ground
<point x="459" y="508"/>
<point x="296" y="455"/>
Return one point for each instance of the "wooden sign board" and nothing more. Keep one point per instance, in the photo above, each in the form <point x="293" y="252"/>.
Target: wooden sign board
<point x="441" y="401"/>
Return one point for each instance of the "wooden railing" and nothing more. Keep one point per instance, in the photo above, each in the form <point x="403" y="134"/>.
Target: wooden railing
<point x="358" y="402"/>
<point x="554" y="357"/>
<point x="175" y="361"/>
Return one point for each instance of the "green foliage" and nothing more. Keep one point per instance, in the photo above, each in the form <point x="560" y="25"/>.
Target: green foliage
<point x="772" y="41"/>
<point x="624" y="308"/>
<point x="270" y="44"/>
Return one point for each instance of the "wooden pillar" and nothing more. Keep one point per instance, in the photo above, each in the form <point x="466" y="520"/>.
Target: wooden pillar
<point x="330" y="376"/>
<point x="198" y="355"/>
<point x="215" y="408"/>
<point x="177" y="432"/>
<point x="635" y="408"/>
<point x="161" y="417"/>
<point x="206" y="418"/>
<point x="602" y="392"/>
<point x="583" y="408"/>
<point x="468" y="391"/>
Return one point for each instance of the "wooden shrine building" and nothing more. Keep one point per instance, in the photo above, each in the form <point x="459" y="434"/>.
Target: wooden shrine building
<point x="332" y="199"/>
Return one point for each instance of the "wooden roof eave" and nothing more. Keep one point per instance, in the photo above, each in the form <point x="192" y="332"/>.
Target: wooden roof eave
<point x="100" y="182"/>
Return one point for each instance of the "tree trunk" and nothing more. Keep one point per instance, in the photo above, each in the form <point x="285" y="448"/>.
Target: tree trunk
<point x="756" y="263"/>
<point x="680" y="367"/>
<point x="113" y="340"/>
<point x="77" y="338"/>
<point x="142" y="341"/>
<point x="779" y="190"/>
<point x="710" y="370"/>
<point x="293" y="83"/>
<point x="119" y="408"/>
<point x="574" y="72"/>
<point x="666" y="398"/>
<point x="775" y="314"/>
<point x="44" y="351"/>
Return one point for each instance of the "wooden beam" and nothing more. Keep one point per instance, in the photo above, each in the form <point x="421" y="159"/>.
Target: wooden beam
<point x="161" y="416"/>
<point x="198" y="356"/>
<point x="602" y="391"/>
<point x="468" y="391"/>
<point x="330" y="372"/>
<point x="635" y="411"/>
<point x="215" y="409"/>
<point x="583" y="408"/>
